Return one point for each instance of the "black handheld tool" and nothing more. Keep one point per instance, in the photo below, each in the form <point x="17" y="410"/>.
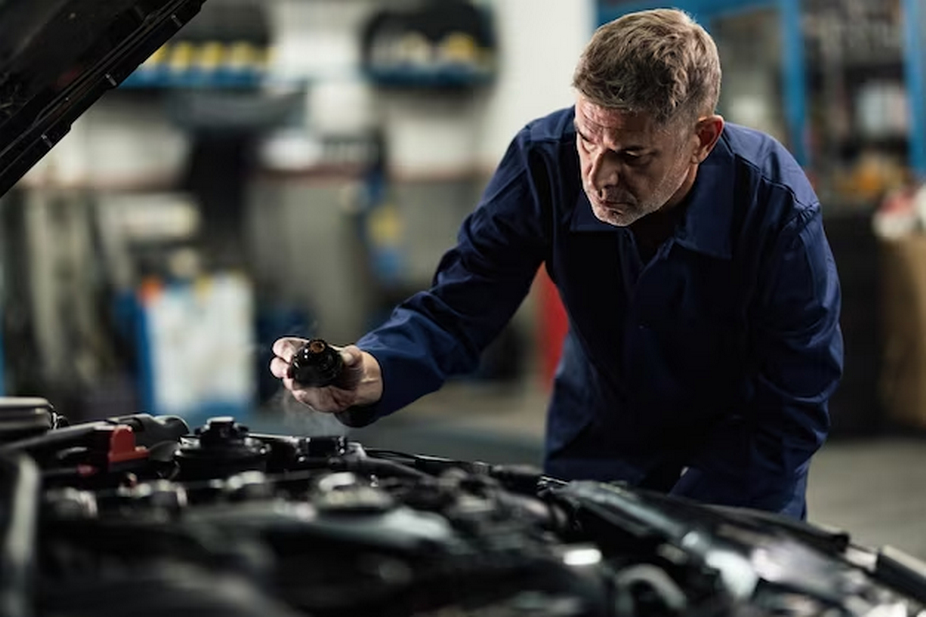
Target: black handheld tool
<point x="316" y="364"/>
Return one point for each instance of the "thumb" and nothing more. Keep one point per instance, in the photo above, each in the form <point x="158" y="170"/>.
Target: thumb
<point x="351" y="356"/>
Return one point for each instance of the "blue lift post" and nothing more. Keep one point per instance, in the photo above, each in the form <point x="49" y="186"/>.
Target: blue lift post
<point x="914" y="25"/>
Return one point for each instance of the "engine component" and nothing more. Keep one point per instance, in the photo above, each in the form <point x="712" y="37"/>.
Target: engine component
<point x="260" y="525"/>
<point x="26" y="417"/>
<point x="223" y="448"/>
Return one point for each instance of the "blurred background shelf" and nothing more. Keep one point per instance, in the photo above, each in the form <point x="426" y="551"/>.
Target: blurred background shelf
<point x="144" y="80"/>
<point x="453" y="77"/>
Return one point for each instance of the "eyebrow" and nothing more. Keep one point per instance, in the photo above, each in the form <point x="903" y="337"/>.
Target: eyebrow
<point x="575" y="125"/>
<point x="633" y="150"/>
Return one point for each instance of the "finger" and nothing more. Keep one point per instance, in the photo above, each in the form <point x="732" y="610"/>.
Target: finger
<point x="290" y="384"/>
<point x="351" y="355"/>
<point x="279" y="367"/>
<point x="285" y="347"/>
<point x="303" y="397"/>
<point x="348" y="353"/>
<point x="313" y="402"/>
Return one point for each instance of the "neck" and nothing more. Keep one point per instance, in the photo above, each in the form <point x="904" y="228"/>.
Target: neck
<point x="656" y="227"/>
<point x="682" y="192"/>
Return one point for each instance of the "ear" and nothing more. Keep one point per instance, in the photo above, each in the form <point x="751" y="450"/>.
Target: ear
<point x="707" y="132"/>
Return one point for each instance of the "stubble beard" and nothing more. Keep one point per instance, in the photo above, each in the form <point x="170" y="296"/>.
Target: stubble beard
<point x="626" y="214"/>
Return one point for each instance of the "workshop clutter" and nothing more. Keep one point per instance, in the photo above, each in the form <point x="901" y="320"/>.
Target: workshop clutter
<point x="226" y="47"/>
<point x="196" y="346"/>
<point x="209" y="63"/>
<point x="900" y="225"/>
<point x="448" y="43"/>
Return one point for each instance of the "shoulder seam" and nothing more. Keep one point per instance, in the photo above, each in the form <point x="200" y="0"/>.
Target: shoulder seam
<point x="765" y="178"/>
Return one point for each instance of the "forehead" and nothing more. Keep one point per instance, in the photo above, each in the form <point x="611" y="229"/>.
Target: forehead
<point x="602" y="122"/>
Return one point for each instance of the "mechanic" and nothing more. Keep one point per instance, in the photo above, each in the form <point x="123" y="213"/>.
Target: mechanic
<point x="702" y="296"/>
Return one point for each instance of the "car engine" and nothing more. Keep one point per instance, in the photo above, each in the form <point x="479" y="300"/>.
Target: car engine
<point x="141" y="516"/>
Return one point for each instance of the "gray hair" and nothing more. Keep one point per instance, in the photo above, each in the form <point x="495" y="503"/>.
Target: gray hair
<point x="660" y="62"/>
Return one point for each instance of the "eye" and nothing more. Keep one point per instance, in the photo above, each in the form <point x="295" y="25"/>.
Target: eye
<point x="586" y="144"/>
<point x="633" y="159"/>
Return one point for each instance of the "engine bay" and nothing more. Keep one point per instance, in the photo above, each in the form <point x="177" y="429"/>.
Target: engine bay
<point x="139" y="515"/>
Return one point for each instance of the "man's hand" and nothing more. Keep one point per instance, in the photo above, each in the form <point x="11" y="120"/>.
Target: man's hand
<point x="359" y="384"/>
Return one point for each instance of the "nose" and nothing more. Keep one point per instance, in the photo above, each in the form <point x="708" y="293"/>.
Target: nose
<point x="602" y="172"/>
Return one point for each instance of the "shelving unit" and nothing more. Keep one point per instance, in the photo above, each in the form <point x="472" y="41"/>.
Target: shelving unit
<point x="800" y="70"/>
<point x="192" y="80"/>
<point x="453" y="77"/>
<point x="792" y="67"/>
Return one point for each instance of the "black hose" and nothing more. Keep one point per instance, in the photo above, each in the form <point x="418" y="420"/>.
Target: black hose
<point x="374" y="466"/>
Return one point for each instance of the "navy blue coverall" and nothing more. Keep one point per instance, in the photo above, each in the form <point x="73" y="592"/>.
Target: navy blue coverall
<point x="716" y="358"/>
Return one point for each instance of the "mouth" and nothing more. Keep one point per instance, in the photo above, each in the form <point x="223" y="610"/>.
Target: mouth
<point x="614" y="204"/>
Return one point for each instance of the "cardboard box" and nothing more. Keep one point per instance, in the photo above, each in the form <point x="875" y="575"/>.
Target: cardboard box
<point x="903" y="309"/>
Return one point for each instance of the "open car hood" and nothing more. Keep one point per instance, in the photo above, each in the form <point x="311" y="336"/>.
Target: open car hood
<point x="57" y="57"/>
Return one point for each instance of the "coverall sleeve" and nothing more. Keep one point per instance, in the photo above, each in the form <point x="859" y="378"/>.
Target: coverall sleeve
<point x="760" y="458"/>
<point x="476" y="289"/>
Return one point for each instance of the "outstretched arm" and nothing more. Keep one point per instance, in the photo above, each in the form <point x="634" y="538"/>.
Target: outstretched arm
<point x="442" y="331"/>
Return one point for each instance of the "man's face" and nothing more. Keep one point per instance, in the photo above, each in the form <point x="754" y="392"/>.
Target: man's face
<point x="630" y="166"/>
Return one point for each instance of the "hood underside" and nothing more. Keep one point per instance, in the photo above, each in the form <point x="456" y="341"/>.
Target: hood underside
<point x="57" y="57"/>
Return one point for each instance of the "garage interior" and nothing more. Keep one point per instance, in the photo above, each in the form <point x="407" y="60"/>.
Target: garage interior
<point x="296" y="167"/>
